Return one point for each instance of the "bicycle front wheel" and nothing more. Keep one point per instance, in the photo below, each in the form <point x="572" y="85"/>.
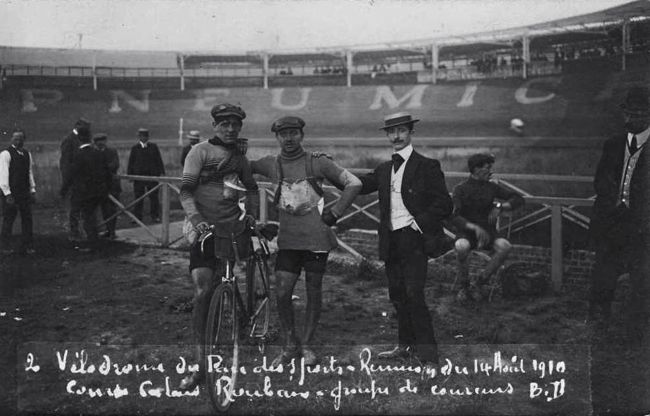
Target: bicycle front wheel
<point x="258" y="296"/>
<point x="222" y="347"/>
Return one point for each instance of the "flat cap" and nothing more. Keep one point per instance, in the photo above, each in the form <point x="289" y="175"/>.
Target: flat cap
<point x="99" y="136"/>
<point x="143" y="132"/>
<point x="478" y="160"/>
<point x="289" y="122"/>
<point x="82" y="122"/>
<point x="226" y="110"/>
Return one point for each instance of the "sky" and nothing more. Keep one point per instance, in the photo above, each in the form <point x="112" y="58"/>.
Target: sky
<point x="253" y="25"/>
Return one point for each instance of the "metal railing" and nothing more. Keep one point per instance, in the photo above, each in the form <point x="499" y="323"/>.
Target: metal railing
<point x="554" y="209"/>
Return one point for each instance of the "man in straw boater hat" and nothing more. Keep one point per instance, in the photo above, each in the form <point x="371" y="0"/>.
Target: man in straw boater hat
<point x="193" y="137"/>
<point x="413" y="201"/>
<point x="305" y="238"/>
<point x="620" y="208"/>
<point x="207" y="200"/>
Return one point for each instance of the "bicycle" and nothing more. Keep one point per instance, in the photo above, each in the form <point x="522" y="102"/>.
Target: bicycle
<point x="229" y="316"/>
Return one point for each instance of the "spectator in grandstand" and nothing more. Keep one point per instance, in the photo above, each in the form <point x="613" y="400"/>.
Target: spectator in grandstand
<point x="145" y="160"/>
<point x="413" y="201"/>
<point x="113" y="160"/>
<point x="18" y="192"/>
<point x="69" y="146"/>
<point x="207" y="201"/>
<point x="193" y="138"/>
<point x="620" y="206"/>
<point x="305" y="235"/>
<point x="477" y="205"/>
<point x="89" y="179"/>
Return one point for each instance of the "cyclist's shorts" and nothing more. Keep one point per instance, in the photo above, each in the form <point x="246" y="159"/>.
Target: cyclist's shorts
<point x="293" y="260"/>
<point x="198" y="259"/>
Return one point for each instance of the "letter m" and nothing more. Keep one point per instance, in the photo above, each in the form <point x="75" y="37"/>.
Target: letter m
<point x="384" y="93"/>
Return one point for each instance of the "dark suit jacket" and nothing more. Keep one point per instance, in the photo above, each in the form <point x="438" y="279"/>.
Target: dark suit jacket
<point x="145" y="161"/>
<point x="69" y="146"/>
<point x="113" y="160"/>
<point x="90" y="177"/>
<point x="610" y="220"/>
<point x="424" y="193"/>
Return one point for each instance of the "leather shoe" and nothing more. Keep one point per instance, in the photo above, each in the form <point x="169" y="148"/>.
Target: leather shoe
<point x="399" y="351"/>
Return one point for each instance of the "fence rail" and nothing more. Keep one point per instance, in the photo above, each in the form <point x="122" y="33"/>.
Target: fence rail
<point x="553" y="208"/>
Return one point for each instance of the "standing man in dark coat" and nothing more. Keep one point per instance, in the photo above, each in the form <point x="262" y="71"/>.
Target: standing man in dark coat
<point x="113" y="161"/>
<point x="413" y="200"/>
<point x="18" y="191"/>
<point x="620" y="208"/>
<point x="193" y="137"/>
<point x="69" y="146"/>
<point x="89" y="178"/>
<point x="145" y="160"/>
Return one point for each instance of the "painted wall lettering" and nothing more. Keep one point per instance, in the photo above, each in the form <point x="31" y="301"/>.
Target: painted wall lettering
<point x="521" y="95"/>
<point x="41" y="96"/>
<point x="276" y="99"/>
<point x="141" y="105"/>
<point x="385" y="93"/>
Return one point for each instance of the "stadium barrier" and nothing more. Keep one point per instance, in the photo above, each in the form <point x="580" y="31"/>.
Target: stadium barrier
<point x="555" y="209"/>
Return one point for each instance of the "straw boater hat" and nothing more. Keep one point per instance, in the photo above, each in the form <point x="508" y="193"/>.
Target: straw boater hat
<point x="194" y="135"/>
<point x="398" y="119"/>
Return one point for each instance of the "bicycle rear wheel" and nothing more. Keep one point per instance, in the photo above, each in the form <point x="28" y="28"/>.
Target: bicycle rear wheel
<point x="258" y="296"/>
<point x="222" y="347"/>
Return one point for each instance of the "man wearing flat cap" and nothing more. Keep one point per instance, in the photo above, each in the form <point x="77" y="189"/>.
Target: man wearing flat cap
<point x="305" y="238"/>
<point x="210" y="168"/>
<point x="69" y="146"/>
<point x="193" y="137"/>
<point x="413" y="201"/>
<point x="620" y="208"/>
<point x="108" y="207"/>
<point x="145" y="159"/>
<point x="478" y="202"/>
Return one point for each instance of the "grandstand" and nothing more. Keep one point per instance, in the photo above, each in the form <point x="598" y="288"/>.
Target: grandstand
<point x="563" y="77"/>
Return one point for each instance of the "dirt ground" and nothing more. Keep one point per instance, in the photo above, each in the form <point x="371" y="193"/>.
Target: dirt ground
<point x="132" y="304"/>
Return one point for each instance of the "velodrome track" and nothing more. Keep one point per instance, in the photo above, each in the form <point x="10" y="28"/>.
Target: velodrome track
<point x="582" y="105"/>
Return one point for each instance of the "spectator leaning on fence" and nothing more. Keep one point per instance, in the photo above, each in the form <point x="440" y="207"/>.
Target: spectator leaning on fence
<point x="621" y="206"/>
<point x="207" y="201"/>
<point x="305" y="238"/>
<point x="477" y="205"/>
<point x="413" y="202"/>
<point x="69" y="146"/>
<point x="112" y="158"/>
<point x="18" y="192"/>
<point x="193" y="138"/>
<point x="145" y="160"/>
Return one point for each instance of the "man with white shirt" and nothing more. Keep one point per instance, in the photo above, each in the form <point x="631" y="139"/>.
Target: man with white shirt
<point x="620" y="209"/>
<point x="413" y="201"/>
<point x="18" y="192"/>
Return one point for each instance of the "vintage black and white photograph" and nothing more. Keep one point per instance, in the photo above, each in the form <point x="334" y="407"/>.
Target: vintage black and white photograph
<point x="325" y="207"/>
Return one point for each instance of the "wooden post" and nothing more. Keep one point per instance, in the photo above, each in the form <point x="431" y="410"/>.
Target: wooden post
<point x="348" y="64"/>
<point x="525" y="46"/>
<point x="625" y="34"/>
<point x="165" y="215"/>
<point x="263" y="204"/>
<point x="434" y="63"/>
<point x="265" y="69"/>
<point x="557" y="263"/>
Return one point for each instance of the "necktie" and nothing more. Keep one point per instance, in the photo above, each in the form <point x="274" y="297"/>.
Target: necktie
<point x="633" y="145"/>
<point x="397" y="161"/>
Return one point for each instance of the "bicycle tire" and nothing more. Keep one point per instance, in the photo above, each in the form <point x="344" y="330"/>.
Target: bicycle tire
<point x="258" y="295"/>
<point x="222" y="344"/>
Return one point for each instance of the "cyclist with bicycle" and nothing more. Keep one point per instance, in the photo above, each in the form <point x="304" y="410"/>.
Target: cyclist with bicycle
<point x="305" y="237"/>
<point x="208" y="202"/>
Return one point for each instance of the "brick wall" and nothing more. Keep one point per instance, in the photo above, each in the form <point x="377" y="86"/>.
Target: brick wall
<point x="577" y="263"/>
